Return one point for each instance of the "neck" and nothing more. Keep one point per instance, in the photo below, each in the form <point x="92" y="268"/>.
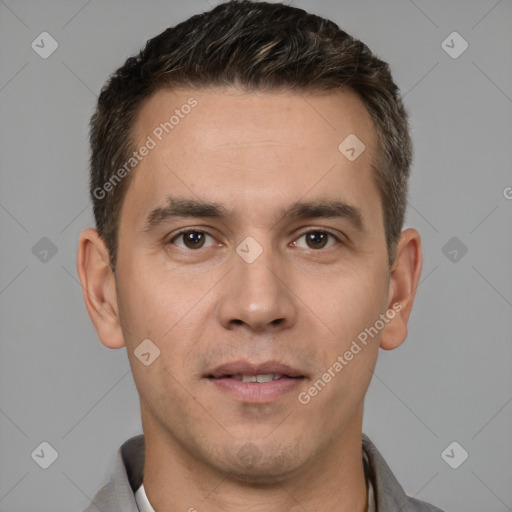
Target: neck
<point x="334" y="481"/>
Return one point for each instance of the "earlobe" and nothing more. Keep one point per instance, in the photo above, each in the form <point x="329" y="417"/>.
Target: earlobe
<point x="98" y="288"/>
<point x="405" y="275"/>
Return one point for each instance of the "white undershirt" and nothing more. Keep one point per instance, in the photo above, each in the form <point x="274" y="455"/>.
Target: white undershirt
<point x="145" y="506"/>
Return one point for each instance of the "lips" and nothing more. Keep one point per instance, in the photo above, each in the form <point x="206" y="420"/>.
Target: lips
<point x="256" y="383"/>
<point x="237" y="368"/>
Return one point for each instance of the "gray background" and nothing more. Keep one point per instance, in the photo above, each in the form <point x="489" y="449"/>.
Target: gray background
<point x="451" y="380"/>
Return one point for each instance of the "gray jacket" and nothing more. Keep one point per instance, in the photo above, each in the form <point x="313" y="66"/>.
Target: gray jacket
<point x="119" y="494"/>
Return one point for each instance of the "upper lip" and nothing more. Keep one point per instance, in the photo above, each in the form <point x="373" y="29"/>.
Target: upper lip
<point x="246" y="368"/>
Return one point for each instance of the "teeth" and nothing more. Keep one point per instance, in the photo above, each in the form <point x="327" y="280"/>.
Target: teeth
<point x="257" y="378"/>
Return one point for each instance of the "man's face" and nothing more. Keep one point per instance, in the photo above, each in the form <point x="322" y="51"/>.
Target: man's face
<point x="252" y="287"/>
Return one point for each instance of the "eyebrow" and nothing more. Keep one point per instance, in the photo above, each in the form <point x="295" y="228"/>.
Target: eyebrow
<point x="180" y="207"/>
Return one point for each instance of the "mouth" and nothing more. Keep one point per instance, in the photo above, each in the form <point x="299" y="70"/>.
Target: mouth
<point x="255" y="383"/>
<point x="254" y="372"/>
<point x="260" y="378"/>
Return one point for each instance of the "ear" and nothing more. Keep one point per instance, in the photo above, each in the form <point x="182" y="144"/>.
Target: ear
<point x="405" y="275"/>
<point x="99" y="288"/>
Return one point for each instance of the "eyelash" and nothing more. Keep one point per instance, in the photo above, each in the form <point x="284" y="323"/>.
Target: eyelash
<point x="189" y="230"/>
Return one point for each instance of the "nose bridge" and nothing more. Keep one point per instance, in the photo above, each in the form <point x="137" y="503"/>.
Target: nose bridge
<point x="256" y="294"/>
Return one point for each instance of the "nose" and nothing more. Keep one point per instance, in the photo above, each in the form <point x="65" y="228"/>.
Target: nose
<point x="258" y="295"/>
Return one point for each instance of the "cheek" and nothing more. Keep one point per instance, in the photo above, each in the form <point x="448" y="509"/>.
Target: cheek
<point x="347" y="302"/>
<point x="167" y="307"/>
<point x="351" y="305"/>
<point x="149" y="310"/>
<point x="146" y="308"/>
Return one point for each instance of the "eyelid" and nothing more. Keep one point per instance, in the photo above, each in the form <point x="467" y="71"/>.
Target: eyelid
<point x="320" y="228"/>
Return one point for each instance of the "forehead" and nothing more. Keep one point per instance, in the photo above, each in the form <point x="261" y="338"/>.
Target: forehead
<point x="243" y="148"/>
<point x="252" y="118"/>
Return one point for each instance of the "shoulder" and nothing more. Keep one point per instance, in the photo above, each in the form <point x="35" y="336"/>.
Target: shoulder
<point x="420" y="506"/>
<point x="389" y="494"/>
<point x="118" y="495"/>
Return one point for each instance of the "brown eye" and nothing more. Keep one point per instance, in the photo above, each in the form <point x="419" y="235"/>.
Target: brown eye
<point x="190" y="239"/>
<point x="316" y="239"/>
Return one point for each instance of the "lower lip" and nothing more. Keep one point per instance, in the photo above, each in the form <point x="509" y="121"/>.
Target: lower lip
<point x="256" y="392"/>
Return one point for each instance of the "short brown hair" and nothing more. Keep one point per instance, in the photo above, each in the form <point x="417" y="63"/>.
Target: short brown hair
<point x="257" y="46"/>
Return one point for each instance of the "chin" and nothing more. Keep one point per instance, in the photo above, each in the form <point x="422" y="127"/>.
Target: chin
<point x="259" y="464"/>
